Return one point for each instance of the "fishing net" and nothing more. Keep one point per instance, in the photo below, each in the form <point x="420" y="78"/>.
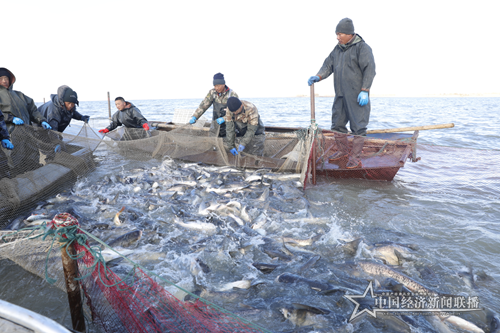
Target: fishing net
<point x="40" y="165"/>
<point x="134" y="303"/>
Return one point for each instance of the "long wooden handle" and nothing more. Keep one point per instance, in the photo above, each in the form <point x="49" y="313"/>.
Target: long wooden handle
<point x="416" y="128"/>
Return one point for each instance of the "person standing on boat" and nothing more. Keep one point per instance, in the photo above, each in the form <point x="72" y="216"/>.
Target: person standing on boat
<point x="353" y="66"/>
<point x="217" y="96"/>
<point x="127" y="115"/>
<point x="62" y="108"/>
<point x="243" y="122"/>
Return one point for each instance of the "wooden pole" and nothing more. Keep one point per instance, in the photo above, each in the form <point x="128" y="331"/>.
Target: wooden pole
<point x="73" y="288"/>
<point x="416" y="128"/>
<point x="109" y="107"/>
<point x="313" y="121"/>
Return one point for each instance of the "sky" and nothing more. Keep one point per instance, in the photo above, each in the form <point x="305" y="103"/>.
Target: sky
<point x="171" y="49"/>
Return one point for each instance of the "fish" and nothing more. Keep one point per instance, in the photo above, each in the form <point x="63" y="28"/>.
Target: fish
<point x="37" y="222"/>
<point x="308" y="264"/>
<point x="273" y="253"/>
<point x="110" y="255"/>
<point x="264" y="267"/>
<point x="241" y="284"/>
<point x="34" y="217"/>
<point x="113" y="201"/>
<point x="304" y="315"/>
<point x="127" y="239"/>
<point x="116" y="219"/>
<point x="197" y="226"/>
<point x="313" y="284"/>
<point x="301" y="242"/>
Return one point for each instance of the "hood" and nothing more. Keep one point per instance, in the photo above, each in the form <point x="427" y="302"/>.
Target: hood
<point x="12" y="77"/>
<point x="128" y="105"/>
<point x="357" y="39"/>
<point x="57" y="99"/>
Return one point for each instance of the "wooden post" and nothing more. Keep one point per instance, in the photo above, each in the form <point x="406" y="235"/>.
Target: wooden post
<point x="73" y="288"/>
<point x="109" y="107"/>
<point x="313" y="121"/>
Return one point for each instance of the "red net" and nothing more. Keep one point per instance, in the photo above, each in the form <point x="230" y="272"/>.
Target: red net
<point x="142" y="305"/>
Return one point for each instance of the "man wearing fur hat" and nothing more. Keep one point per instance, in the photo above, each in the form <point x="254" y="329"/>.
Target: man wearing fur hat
<point x="217" y="96"/>
<point x="17" y="108"/>
<point x="61" y="109"/>
<point x="353" y="67"/>
<point x="243" y="122"/>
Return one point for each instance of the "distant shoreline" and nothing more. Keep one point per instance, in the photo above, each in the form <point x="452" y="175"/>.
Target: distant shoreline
<point x="423" y="95"/>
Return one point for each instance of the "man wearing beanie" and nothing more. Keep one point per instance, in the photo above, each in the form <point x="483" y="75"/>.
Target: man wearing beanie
<point x="217" y="97"/>
<point x="353" y="68"/>
<point x="127" y="115"/>
<point x="243" y="122"/>
<point x="61" y="109"/>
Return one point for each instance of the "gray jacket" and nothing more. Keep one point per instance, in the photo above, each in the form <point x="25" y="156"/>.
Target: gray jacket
<point x="353" y="67"/>
<point x="128" y="117"/>
<point x="4" y="133"/>
<point x="16" y="104"/>
<point x="55" y="111"/>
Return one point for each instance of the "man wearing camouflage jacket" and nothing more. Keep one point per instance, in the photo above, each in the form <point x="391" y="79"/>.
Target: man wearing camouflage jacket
<point x="217" y="97"/>
<point x="243" y="121"/>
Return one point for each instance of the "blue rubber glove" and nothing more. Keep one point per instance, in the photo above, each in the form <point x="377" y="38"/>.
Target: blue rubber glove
<point x="313" y="79"/>
<point x="7" y="144"/>
<point x="17" y="121"/>
<point x="192" y="120"/>
<point x="234" y="151"/>
<point x="220" y="120"/>
<point x="85" y="119"/>
<point x="46" y="125"/>
<point x="241" y="148"/>
<point x="363" y="98"/>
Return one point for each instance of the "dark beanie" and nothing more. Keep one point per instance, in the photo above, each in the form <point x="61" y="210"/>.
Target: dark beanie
<point x="345" y="26"/>
<point x="4" y="72"/>
<point x="233" y="104"/>
<point x="70" y="96"/>
<point x="219" y="79"/>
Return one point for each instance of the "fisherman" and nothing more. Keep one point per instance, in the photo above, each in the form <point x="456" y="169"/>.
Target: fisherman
<point x="217" y="96"/>
<point x="127" y="115"/>
<point x="243" y="121"/>
<point x="19" y="110"/>
<point x="4" y="133"/>
<point x="61" y="109"/>
<point x="353" y="66"/>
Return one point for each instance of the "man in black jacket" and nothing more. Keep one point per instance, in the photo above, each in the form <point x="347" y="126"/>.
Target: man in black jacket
<point x="61" y="109"/>
<point x="127" y="115"/>
<point x="353" y="66"/>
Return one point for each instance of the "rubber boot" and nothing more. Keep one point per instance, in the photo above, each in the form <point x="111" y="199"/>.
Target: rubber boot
<point x="342" y="147"/>
<point x="357" y="148"/>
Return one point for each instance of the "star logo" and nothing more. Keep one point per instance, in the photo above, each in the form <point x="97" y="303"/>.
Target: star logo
<point x="353" y="298"/>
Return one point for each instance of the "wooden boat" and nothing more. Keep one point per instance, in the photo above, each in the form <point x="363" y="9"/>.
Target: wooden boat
<point x="382" y="156"/>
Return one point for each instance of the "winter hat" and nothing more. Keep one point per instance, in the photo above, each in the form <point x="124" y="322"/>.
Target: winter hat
<point x="4" y="72"/>
<point x="219" y="79"/>
<point x="345" y="26"/>
<point x="233" y="104"/>
<point x="70" y="96"/>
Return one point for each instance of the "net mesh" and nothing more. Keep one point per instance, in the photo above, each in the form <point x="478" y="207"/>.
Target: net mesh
<point x="45" y="162"/>
<point x="136" y="303"/>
